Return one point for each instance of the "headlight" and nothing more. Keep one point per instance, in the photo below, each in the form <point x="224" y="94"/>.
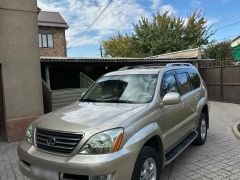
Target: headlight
<point x="103" y="143"/>
<point x="29" y="134"/>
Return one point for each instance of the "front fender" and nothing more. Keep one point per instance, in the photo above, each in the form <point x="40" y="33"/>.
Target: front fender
<point x="139" y="139"/>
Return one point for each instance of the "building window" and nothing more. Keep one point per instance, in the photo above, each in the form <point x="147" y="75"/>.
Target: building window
<point x="45" y="40"/>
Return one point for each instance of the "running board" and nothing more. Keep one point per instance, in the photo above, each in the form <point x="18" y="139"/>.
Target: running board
<point x="176" y="150"/>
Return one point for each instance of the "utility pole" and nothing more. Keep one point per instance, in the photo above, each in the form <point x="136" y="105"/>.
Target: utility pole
<point x="101" y="50"/>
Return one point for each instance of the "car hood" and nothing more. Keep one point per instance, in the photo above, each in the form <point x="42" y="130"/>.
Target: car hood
<point x="81" y="116"/>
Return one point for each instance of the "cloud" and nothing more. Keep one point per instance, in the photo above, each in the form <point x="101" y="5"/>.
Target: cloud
<point x="169" y="8"/>
<point x="80" y="14"/>
<point x="212" y="21"/>
<point x="156" y="4"/>
<point x="196" y="3"/>
<point x="119" y="17"/>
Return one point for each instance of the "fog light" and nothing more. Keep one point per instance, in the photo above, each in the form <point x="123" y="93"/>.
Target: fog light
<point x="103" y="177"/>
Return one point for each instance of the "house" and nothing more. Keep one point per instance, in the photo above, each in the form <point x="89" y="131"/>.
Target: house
<point x="235" y="45"/>
<point x="51" y="34"/>
<point x="21" y="98"/>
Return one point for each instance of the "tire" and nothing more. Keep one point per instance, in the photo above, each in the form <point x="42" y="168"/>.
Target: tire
<point x="202" y="130"/>
<point x="147" y="156"/>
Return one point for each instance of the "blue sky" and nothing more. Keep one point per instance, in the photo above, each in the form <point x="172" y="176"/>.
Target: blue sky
<point x="120" y="15"/>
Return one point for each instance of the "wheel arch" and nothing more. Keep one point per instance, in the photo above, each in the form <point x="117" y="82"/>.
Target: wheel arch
<point x="205" y="110"/>
<point x="156" y="143"/>
<point x="203" y="107"/>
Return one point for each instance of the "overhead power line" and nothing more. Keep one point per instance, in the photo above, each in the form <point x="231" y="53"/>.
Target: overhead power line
<point x="228" y="25"/>
<point x="228" y="38"/>
<point x="95" y="20"/>
<point x="97" y="17"/>
<point x="225" y="19"/>
<point x="107" y="14"/>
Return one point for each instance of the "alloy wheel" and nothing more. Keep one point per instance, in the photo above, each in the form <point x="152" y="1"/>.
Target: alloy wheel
<point x="149" y="170"/>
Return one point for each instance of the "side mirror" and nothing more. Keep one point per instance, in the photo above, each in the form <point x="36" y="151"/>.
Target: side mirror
<point x="171" y="98"/>
<point x="83" y="94"/>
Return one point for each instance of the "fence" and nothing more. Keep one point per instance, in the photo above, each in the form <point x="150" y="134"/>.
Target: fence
<point x="222" y="79"/>
<point x="85" y="81"/>
<point x="55" y="99"/>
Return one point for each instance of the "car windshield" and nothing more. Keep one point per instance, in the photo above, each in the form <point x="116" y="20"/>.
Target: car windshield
<point x="130" y="88"/>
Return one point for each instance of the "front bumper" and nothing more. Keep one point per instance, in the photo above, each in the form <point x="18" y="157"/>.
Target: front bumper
<point x="121" y="163"/>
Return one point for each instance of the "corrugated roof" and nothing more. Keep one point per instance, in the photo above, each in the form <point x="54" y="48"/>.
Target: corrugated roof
<point x="113" y="60"/>
<point x="52" y="19"/>
<point x="188" y="53"/>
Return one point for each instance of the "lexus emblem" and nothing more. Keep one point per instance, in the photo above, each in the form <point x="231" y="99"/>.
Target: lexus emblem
<point x="51" y="141"/>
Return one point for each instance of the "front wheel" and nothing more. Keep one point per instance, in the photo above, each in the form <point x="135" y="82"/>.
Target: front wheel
<point x="147" y="166"/>
<point x="202" y="130"/>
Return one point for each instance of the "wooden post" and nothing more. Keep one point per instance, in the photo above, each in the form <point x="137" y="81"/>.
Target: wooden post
<point x="101" y="52"/>
<point x="221" y="81"/>
<point x="47" y="75"/>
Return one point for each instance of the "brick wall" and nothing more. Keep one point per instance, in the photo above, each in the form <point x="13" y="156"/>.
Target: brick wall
<point x="59" y="42"/>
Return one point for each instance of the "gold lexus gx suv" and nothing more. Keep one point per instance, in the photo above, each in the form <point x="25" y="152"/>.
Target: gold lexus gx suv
<point x="127" y="126"/>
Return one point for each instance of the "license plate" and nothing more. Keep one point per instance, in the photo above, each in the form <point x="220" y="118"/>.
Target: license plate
<point x="43" y="174"/>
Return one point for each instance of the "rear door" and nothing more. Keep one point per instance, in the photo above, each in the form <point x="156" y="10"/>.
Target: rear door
<point x="198" y="92"/>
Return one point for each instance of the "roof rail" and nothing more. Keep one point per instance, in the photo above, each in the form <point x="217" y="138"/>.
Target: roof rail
<point x="144" y="66"/>
<point x="179" y="64"/>
<point x="125" y="68"/>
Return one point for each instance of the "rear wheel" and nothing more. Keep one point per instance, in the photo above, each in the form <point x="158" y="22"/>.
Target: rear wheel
<point x="202" y="130"/>
<point x="147" y="166"/>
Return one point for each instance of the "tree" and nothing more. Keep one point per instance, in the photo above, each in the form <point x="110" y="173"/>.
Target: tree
<point x="166" y="33"/>
<point x="220" y="50"/>
<point x="119" y="46"/>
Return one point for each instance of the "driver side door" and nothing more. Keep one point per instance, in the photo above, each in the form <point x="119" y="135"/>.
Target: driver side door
<point x="169" y="116"/>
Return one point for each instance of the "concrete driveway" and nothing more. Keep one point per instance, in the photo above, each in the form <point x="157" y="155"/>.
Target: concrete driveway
<point x="218" y="159"/>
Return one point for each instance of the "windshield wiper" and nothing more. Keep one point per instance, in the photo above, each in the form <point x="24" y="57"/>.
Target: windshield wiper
<point x="121" y="101"/>
<point x="108" y="101"/>
<point x="88" y="100"/>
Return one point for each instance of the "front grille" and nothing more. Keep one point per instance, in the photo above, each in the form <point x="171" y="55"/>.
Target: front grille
<point x="57" y="142"/>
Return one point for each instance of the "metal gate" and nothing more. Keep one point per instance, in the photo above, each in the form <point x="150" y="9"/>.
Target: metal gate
<point x="223" y="82"/>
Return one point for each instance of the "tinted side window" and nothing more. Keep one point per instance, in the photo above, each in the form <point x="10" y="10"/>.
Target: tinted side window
<point x="194" y="79"/>
<point x="184" y="84"/>
<point x="169" y="84"/>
